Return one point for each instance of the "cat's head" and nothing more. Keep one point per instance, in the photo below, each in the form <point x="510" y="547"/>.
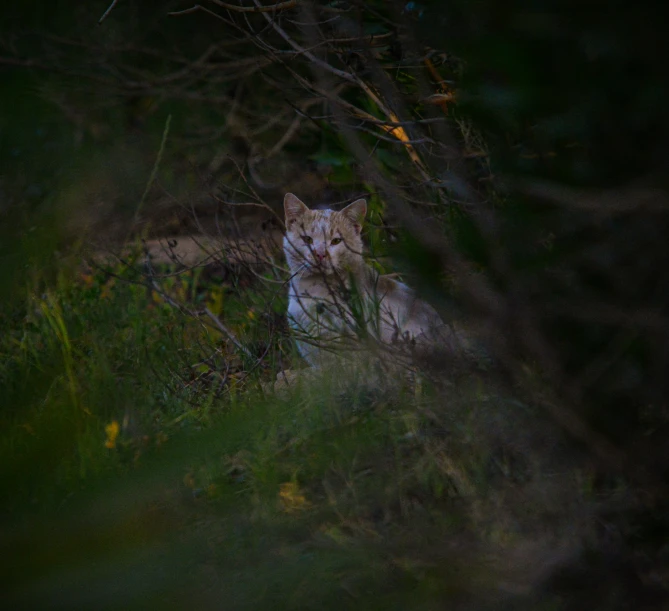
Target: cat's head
<point x="324" y="241"/>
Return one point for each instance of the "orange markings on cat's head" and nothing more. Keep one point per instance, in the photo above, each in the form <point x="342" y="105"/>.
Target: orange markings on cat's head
<point x="323" y="238"/>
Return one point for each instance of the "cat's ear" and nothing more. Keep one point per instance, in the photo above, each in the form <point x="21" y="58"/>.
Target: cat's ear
<point x="356" y="212"/>
<point x="293" y="208"/>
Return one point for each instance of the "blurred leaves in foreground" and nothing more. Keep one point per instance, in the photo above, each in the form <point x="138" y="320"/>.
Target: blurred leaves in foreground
<point x="141" y="463"/>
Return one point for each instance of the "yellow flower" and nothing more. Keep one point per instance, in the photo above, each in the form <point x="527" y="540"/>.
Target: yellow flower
<point x="106" y="289"/>
<point x="112" y="430"/>
<point x="291" y="498"/>
<point x="251" y="314"/>
<point x="189" y="480"/>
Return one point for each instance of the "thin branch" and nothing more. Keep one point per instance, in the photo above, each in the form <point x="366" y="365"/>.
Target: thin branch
<point x="215" y="319"/>
<point x="631" y="198"/>
<point x="109" y="10"/>
<point x="154" y="171"/>
<point x="290" y="132"/>
<point x="310" y="56"/>
<point x="230" y="335"/>
<point x="257" y="9"/>
<point x="192" y="9"/>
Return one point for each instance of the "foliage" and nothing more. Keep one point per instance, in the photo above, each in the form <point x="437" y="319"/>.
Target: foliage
<point x="512" y="156"/>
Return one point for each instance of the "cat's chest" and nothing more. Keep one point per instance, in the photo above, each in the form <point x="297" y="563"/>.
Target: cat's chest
<point x="317" y="300"/>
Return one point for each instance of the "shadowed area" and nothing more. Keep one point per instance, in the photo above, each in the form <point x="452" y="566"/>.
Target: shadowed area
<point x="498" y="169"/>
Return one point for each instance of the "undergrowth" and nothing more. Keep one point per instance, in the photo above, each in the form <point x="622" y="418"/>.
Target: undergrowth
<point x="143" y="465"/>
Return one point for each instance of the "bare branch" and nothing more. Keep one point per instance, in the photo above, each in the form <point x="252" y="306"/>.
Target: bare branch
<point x="229" y="334"/>
<point x="109" y="10"/>
<point x="257" y="9"/>
<point x="192" y="9"/>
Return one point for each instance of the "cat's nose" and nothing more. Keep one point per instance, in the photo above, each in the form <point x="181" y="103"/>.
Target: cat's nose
<point x="320" y="254"/>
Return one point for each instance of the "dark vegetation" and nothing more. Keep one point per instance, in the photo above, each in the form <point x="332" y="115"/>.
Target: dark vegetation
<point x="514" y="159"/>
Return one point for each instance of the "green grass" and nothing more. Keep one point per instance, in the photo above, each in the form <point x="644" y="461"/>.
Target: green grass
<point x="214" y="492"/>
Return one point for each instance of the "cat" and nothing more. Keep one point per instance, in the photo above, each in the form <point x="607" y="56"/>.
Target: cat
<point x="339" y="303"/>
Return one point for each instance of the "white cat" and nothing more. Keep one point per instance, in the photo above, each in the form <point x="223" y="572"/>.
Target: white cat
<point x="336" y="301"/>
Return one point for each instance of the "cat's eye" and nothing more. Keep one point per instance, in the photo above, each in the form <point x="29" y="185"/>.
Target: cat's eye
<point x="335" y="241"/>
<point x="307" y="239"/>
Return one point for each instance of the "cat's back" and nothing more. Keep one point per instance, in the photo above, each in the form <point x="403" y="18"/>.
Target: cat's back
<point x="412" y="314"/>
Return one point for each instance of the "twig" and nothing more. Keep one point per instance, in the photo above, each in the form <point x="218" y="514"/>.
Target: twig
<point x="154" y="171"/>
<point x="630" y="198"/>
<point x="290" y="132"/>
<point x="310" y="56"/>
<point x="109" y="10"/>
<point x="215" y="319"/>
<point x="257" y="9"/>
<point x="398" y="132"/>
<point x="230" y="335"/>
<point x="192" y="9"/>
